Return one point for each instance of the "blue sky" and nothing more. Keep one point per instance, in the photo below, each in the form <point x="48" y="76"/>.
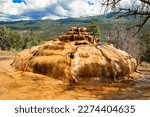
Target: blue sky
<point x="12" y="10"/>
<point x="18" y="1"/>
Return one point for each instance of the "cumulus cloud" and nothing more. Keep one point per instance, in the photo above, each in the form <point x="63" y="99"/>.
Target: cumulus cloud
<point x="48" y="9"/>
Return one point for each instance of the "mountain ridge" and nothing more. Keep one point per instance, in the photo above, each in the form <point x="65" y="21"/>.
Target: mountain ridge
<point x="108" y="16"/>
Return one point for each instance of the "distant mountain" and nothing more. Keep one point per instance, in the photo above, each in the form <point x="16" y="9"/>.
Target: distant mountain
<point x="67" y="20"/>
<point x="52" y="28"/>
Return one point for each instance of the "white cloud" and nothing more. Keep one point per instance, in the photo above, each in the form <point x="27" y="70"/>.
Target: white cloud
<point x="129" y="3"/>
<point x="49" y="9"/>
<point x="2" y="1"/>
<point x="46" y="9"/>
<point x="51" y="16"/>
<point x="9" y="8"/>
<point x="39" y="4"/>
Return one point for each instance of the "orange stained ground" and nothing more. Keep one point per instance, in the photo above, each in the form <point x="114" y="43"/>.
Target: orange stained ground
<point x="18" y="85"/>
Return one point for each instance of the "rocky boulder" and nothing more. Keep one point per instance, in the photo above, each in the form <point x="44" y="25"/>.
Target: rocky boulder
<point x="76" y="56"/>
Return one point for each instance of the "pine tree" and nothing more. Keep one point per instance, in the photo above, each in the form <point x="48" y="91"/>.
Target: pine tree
<point x="94" y="29"/>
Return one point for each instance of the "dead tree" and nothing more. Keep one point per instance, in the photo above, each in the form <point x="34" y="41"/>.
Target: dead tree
<point x="138" y="8"/>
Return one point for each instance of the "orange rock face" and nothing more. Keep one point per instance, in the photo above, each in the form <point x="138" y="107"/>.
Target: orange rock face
<point x="75" y="56"/>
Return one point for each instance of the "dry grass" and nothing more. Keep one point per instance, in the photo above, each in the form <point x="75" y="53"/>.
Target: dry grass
<point x="8" y="53"/>
<point x="145" y="64"/>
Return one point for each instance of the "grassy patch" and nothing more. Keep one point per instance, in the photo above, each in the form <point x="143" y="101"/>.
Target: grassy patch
<point x="8" y="53"/>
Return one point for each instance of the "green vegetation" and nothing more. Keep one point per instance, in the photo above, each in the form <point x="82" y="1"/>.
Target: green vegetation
<point x="94" y="29"/>
<point x="49" y="29"/>
<point x="145" y="46"/>
<point x="25" y="34"/>
<point x="16" y="40"/>
<point x="8" y="53"/>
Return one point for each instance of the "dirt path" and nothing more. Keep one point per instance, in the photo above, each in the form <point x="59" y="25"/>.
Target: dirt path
<point x="24" y="85"/>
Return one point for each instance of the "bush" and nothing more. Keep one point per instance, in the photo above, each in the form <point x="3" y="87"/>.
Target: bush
<point x="145" y="46"/>
<point x="16" y="40"/>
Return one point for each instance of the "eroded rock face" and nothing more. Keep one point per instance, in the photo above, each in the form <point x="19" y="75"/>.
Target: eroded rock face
<point x="75" y="56"/>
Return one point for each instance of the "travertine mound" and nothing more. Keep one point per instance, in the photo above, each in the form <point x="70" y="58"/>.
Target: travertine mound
<point x="74" y="56"/>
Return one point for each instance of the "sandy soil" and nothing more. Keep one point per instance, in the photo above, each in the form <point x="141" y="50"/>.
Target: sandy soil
<point x="24" y="85"/>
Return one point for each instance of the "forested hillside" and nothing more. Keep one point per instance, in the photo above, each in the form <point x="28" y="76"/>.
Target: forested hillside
<point x="19" y="35"/>
<point x="48" y="29"/>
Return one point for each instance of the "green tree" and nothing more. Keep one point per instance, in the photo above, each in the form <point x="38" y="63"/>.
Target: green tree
<point x="145" y="46"/>
<point x="16" y="40"/>
<point x="4" y="43"/>
<point x="94" y="29"/>
<point x="29" y="39"/>
<point x="10" y="39"/>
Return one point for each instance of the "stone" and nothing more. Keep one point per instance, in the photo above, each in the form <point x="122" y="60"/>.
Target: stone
<point x="74" y="56"/>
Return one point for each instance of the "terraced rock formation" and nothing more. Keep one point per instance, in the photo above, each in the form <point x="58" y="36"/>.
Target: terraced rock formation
<point x="76" y="56"/>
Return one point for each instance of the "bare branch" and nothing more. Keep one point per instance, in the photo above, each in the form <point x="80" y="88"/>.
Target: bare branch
<point x="140" y="25"/>
<point x="130" y="12"/>
<point x="141" y="10"/>
<point x="145" y="1"/>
